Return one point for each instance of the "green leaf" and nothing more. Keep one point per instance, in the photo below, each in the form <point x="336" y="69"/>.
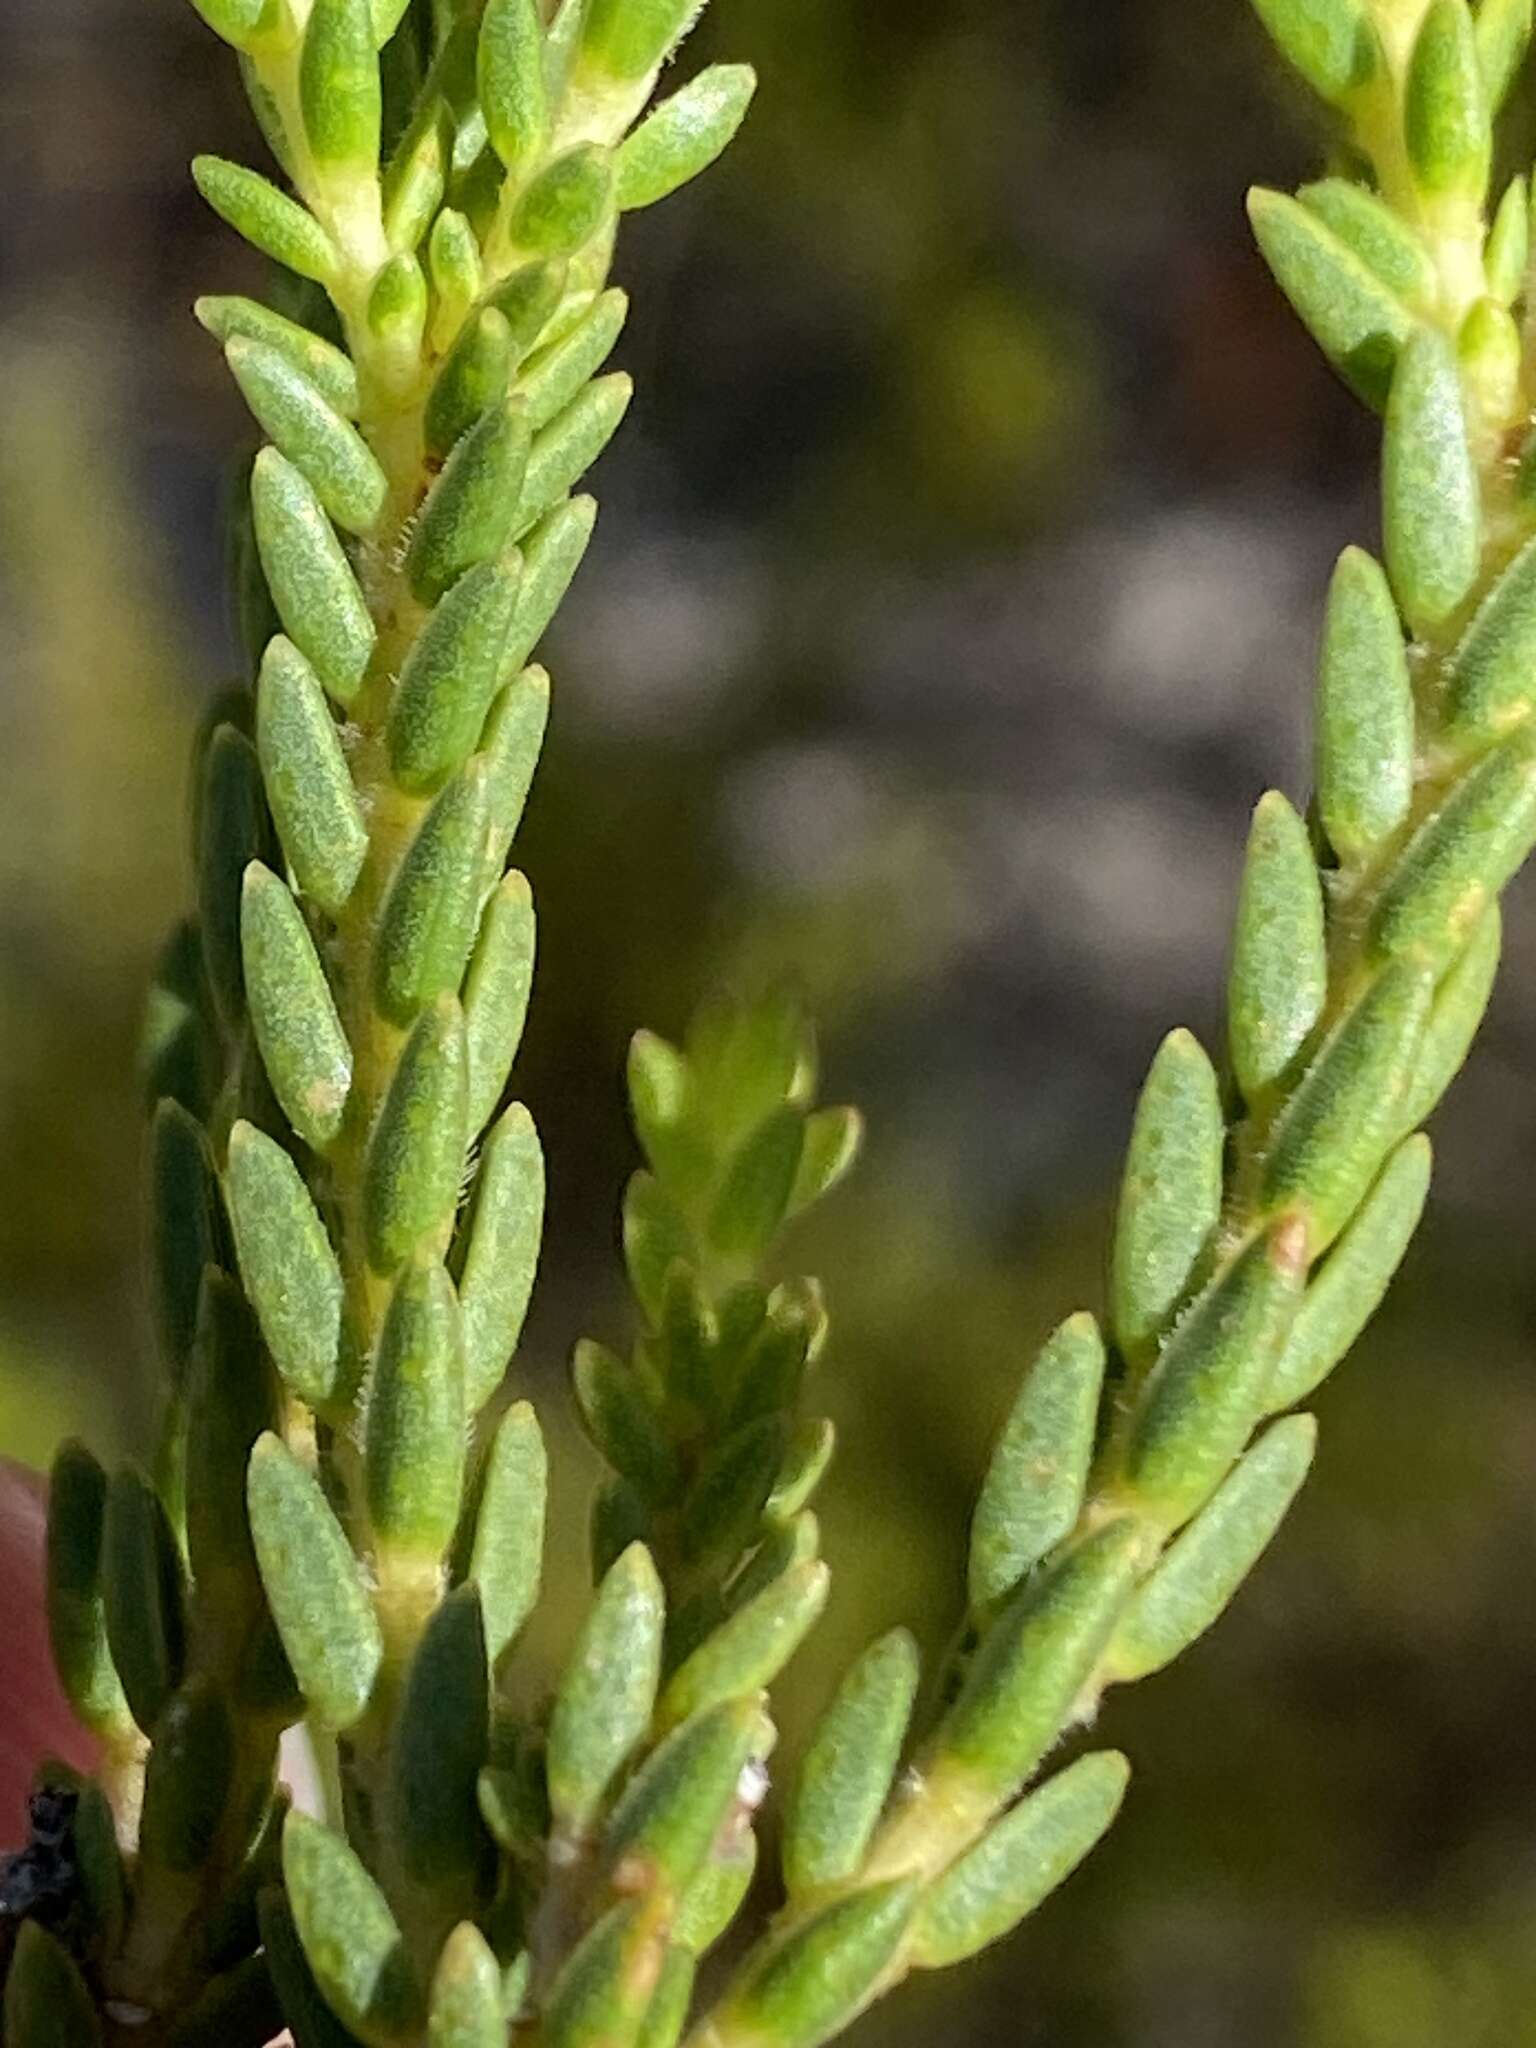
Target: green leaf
<point x="773" y="1369"/>
<point x="625" y="39"/>
<point x="565" y="203"/>
<point x="470" y="511"/>
<point x="231" y="832"/>
<point x="512" y="94"/>
<point x="429" y="919"/>
<point x="1503" y="37"/>
<point x="466" y="2008"/>
<point x="755" y="1193"/>
<point x="622" y="1418"/>
<point x="1488" y="355"/>
<point x="1030" y="1668"/>
<point x="1170" y="1197"/>
<point x="416" y="176"/>
<point x="806" y="1462"/>
<point x="1382" y="240"/>
<point x="1460" y="1002"/>
<point x="507" y="1560"/>
<point x="416" y="1153"/>
<point x="667" y="2014"/>
<point x="606" y="1696"/>
<point x="309" y="2016"/>
<point x="1279" y="977"/>
<point x="416" y="1420"/>
<point x="1349" y="1286"/>
<point x="1508" y="249"/>
<point x="1431" y="512"/>
<point x="397" y="309"/>
<point x="749" y="1058"/>
<point x="473" y="378"/>
<point x="101" y="1882"/>
<point x="675" y="1805"/>
<point x="1200" y="1572"/>
<point x="1332" y="43"/>
<point x="529" y="299"/>
<point x="441" y="1743"/>
<point x="47" y="2004"/>
<point x="232" y="1402"/>
<point x="453" y="258"/>
<point x="1365" y="719"/>
<point x="496" y="992"/>
<point x="325" y="448"/>
<point x="1446" y="119"/>
<point x="293" y="1012"/>
<point x="329" y="369"/>
<point x="1327" y="1144"/>
<point x="318" y="1600"/>
<point x="237" y="21"/>
<point x="349" y="1936"/>
<point x="850" y="1766"/>
<point x="311" y="581"/>
<point x="833" y="1140"/>
<point x="684" y="135"/>
<point x="552" y="378"/>
<point x="514" y="733"/>
<point x="747" y="1652"/>
<point x="701" y="1612"/>
<point x="565" y="449"/>
<point x="1488" y="678"/>
<point x="1035" y="1483"/>
<point x="188" y="1780"/>
<point x="718" y="1892"/>
<point x="686" y="1352"/>
<point x="513" y="1806"/>
<point x="270" y="117"/>
<point x="600" y="1997"/>
<point x="308" y="784"/>
<point x="183" y="1230"/>
<point x="1357" y="322"/>
<point x="814" y="1980"/>
<point x="1460" y="858"/>
<point x="560" y="43"/>
<point x="732" y="1490"/>
<point x="450" y="677"/>
<point x="552" y="553"/>
<point x="230" y="708"/>
<point x="744" y="1327"/>
<point x="1019" y="1862"/>
<point x="144" y="1594"/>
<point x="656" y="1237"/>
<point x="782" y="1548"/>
<point x="267" y="218"/>
<point x="504" y="1233"/>
<point x="339" y="91"/>
<point x="77" y="1628"/>
<point x="287" y="1265"/>
<point x="1207" y="1390"/>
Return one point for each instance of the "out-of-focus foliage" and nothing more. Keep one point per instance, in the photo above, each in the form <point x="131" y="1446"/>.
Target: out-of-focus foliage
<point x="955" y="597"/>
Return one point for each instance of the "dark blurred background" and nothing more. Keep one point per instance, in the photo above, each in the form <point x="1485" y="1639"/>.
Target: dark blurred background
<point x="955" y="597"/>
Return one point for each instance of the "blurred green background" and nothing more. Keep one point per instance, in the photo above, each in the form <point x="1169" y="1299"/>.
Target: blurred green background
<point x="954" y="599"/>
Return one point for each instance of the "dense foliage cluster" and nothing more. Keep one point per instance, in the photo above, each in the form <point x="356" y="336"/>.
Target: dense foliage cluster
<point x="345" y="1524"/>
